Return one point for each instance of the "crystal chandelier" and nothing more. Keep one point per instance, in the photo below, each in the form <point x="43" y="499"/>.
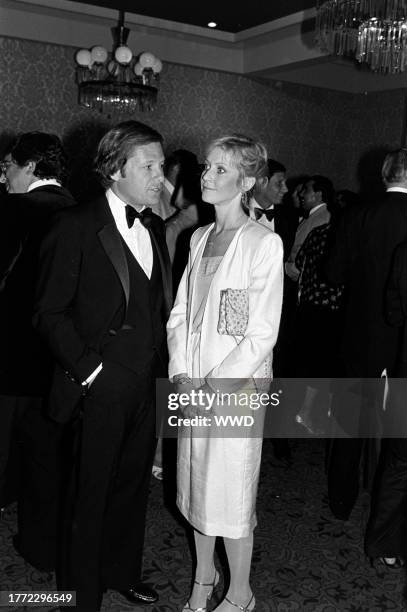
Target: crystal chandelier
<point x="371" y="31"/>
<point x="117" y="81"/>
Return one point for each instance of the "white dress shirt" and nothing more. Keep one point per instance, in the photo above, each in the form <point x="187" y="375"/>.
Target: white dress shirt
<point x="136" y="237"/>
<point x="399" y="189"/>
<point x="42" y="183"/>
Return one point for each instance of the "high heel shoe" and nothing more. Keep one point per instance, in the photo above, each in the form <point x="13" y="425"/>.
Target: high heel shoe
<point x="392" y="563"/>
<point x="249" y="607"/>
<point x="213" y="585"/>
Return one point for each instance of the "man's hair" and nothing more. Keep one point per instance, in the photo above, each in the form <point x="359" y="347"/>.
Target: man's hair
<point x="273" y="167"/>
<point x="325" y="186"/>
<point x="118" y="144"/>
<point x="394" y="169"/>
<point x="45" y="150"/>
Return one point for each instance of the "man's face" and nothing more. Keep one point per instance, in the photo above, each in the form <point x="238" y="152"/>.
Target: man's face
<point x="17" y="178"/>
<point x="141" y="180"/>
<point x="271" y="191"/>
<point x="310" y="198"/>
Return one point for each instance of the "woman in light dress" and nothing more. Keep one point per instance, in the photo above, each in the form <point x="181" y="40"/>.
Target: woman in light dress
<point x="214" y="346"/>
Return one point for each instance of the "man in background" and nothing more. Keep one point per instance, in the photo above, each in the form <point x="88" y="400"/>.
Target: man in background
<point x="33" y="172"/>
<point x="268" y="208"/>
<point x="361" y="258"/>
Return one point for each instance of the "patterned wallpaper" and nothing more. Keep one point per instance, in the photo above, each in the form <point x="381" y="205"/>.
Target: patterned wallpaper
<point x="310" y="130"/>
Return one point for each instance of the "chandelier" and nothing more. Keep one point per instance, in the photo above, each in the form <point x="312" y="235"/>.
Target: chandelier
<point x="117" y="81"/>
<point x="371" y="31"/>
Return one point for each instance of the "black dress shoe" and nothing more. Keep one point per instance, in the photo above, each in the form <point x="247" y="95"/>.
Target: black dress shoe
<point x="140" y="594"/>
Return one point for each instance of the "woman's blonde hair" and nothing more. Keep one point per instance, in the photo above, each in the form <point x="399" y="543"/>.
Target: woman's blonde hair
<point x="249" y="156"/>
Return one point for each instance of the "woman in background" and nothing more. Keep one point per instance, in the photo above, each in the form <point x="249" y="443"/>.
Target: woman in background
<point x="224" y="325"/>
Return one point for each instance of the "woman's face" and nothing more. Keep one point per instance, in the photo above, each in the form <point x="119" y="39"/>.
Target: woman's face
<point x="220" y="181"/>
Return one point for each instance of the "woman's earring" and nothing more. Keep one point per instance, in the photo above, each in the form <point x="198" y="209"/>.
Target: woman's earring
<point x="245" y="199"/>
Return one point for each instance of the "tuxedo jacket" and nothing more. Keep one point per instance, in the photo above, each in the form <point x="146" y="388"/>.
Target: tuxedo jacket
<point x="361" y="257"/>
<point x="84" y="282"/>
<point x="254" y="263"/>
<point x="396" y="305"/>
<point x="25" y="362"/>
<point x="285" y="225"/>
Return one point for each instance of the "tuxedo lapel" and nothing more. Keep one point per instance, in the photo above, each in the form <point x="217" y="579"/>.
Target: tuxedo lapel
<point x="110" y="238"/>
<point x="279" y="222"/>
<point x="165" y="266"/>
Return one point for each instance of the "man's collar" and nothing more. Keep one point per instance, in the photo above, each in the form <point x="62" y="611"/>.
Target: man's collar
<point x="399" y="189"/>
<point x="117" y="202"/>
<point x="42" y="183"/>
<point x="317" y="207"/>
<point x="254" y="204"/>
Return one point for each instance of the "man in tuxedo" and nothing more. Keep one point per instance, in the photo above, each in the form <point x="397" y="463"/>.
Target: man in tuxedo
<point x="103" y="299"/>
<point x="360" y="258"/>
<point x="33" y="172"/>
<point x="267" y="207"/>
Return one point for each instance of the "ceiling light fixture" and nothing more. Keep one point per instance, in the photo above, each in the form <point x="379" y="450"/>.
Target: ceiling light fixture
<point x="212" y="24"/>
<point x="371" y="31"/>
<point x="117" y="81"/>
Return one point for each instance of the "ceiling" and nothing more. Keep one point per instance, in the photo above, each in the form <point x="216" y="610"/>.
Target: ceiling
<point x="245" y="14"/>
<point x="269" y="40"/>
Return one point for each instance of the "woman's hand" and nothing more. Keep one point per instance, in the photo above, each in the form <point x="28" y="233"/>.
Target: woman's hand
<point x="183" y="385"/>
<point x="200" y="403"/>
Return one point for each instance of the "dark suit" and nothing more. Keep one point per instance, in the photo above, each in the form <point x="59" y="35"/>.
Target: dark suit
<point x="285" y="225"/>
<point x="387" y="527"/>
<point x="361" y="258"/>
<point x="26" y="219"/>
<point x="28" y="437"/>
<point x="95" y="304"/>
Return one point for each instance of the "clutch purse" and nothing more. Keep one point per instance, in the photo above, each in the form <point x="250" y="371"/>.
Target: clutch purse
<point x="233" y="312"/>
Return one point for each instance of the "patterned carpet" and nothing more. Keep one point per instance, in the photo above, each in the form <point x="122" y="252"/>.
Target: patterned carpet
<point x="304" y="559"/>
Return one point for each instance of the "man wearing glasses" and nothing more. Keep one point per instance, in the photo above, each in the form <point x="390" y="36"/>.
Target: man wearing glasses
<point x="33" y="172"/>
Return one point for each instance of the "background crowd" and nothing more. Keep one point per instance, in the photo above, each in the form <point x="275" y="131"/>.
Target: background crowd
<point x="343" y="317"/>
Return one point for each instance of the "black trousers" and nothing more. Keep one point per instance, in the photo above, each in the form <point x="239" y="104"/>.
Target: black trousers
<point x="386" y="533"/>
<point x="9" y="449"/>
<point x="32" y="457"/>
<point x="43" y="471"/>
<point x="106" y="506"/>
<point x="349" y="458"/>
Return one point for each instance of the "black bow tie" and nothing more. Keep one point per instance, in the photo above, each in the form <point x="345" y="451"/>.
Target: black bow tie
<point x="269" y="213"/>
<point x="145" y="216"/>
